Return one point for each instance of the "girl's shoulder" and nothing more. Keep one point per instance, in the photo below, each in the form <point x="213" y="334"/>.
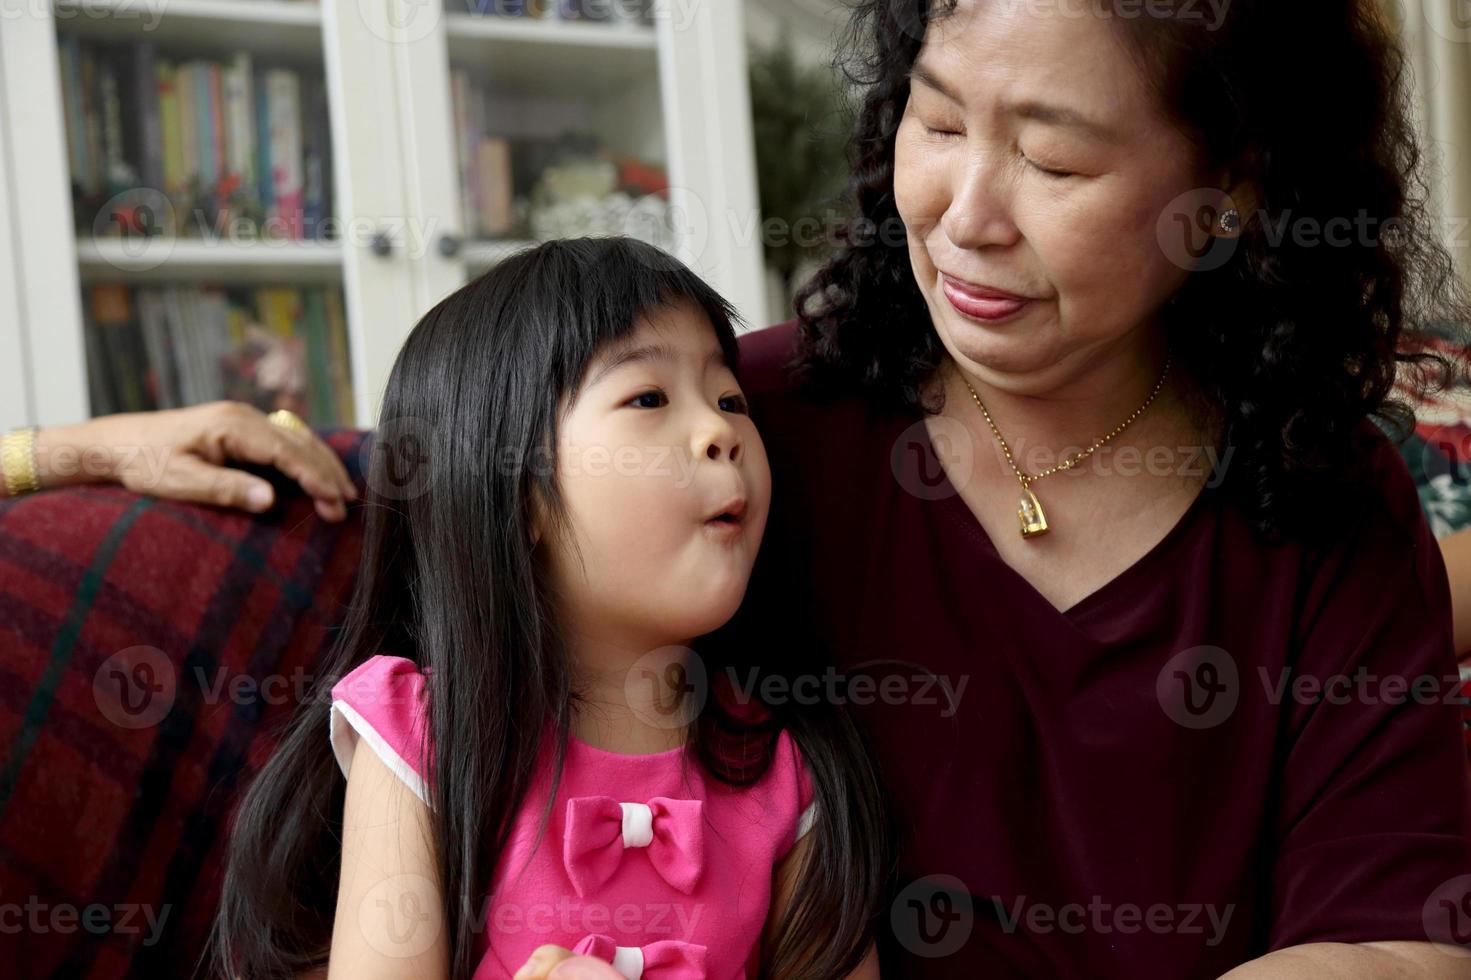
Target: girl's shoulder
<point x="799" y="789"/>
<point x="380" y="702"/>
<point x="781" y="802"/>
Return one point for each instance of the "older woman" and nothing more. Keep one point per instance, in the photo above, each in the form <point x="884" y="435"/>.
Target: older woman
<point x="1077" y="491"/>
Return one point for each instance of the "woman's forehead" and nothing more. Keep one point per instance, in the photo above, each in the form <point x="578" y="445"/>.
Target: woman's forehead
<point x="1033" y="54"/>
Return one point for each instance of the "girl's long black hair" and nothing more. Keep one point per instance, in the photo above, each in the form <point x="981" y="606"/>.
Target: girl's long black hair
<point x="450" y="580"/>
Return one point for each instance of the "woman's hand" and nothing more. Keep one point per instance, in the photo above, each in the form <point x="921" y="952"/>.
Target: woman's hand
<point x="558" y="963"/>
<point x="182" y="454"/>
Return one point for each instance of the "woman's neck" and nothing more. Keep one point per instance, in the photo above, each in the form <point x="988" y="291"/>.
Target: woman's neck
<point x="1046" y="415"/>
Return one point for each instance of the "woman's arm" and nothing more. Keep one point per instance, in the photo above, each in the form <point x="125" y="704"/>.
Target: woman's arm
<point x="1389" y="961"/>
<point x="389" y="921"/>
<point x="784" y="883"/>
<point x="182" y="454"/>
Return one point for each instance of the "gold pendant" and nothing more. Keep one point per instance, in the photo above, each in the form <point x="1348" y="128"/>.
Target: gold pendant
<point x="1029" y="513"/>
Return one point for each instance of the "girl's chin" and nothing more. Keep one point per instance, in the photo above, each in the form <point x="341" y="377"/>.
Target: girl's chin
<point x="711" y="609"/>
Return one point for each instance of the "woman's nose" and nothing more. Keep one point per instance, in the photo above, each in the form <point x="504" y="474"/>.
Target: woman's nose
<point x="980" y="207"/>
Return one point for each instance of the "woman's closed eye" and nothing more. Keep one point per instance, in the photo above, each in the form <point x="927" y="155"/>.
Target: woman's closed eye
<point x="941" y="132"/>
<point x="1047" y="171"/>
<point x="737" y="403"/>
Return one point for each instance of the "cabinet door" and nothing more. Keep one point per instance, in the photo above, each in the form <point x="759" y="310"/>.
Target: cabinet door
<point x="430" y="179"/>
<point x="712" y="156"/>
<point x="15" y="395"/>
<point x="364" y="47"/>
<point x="46" y="333"/>
<point x="671" y="93"/>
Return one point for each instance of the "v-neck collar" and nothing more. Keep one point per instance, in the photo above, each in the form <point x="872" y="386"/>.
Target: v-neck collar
<point x="945" y="496"/>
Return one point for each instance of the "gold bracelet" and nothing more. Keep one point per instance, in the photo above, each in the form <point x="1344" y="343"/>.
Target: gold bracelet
<point x="18" y="461"/>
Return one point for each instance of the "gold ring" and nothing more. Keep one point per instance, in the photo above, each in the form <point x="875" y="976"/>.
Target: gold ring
<point x="287" y="420"/>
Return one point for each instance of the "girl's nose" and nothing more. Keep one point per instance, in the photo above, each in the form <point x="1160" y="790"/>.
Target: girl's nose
<point x="714" y="450"/>
<point x="719" y="439"/>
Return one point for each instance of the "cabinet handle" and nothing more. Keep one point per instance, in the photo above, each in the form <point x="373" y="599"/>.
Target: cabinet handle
<point x="381" y="245"/>
<point x="449" y="245"/>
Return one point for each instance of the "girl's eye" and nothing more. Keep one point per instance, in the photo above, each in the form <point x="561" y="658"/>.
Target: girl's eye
<point x="730" y="403"/>
<point x="648" y="394"/>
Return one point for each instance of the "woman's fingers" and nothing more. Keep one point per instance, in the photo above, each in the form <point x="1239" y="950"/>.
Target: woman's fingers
<point x="584" y="968"/>
<point x="330" y="462"/>
<point x="190" y="478"/>
<point x="246" y="436"/>
<point x="539" y="965"/>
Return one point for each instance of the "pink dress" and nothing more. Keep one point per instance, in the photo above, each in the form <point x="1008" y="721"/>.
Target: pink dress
<point x="646" y="863"/>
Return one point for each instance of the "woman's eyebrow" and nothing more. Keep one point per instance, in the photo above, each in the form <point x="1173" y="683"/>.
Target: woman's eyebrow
<point x="1056" y="115"/>
<point x="1042" y="112"/>
<point x="922" y="74"/>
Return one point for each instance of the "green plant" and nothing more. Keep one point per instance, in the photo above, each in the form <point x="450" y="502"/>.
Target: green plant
<point x="800" y="118"/>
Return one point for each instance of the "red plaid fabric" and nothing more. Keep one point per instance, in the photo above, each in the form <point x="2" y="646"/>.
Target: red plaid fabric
<point x="135" y="637"/>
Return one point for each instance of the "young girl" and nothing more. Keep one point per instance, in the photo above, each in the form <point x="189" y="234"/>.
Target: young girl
<point x="565" y="496"/>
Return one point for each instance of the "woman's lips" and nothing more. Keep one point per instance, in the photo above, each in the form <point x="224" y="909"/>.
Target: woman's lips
<point x="980" y="304"/>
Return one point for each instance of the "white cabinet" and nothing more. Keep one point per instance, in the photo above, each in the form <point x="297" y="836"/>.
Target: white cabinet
<point x="672" y="92"/>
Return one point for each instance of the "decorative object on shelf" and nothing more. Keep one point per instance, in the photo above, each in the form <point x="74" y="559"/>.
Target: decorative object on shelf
<point x="269" y="371"/>
<point x="584" y="197"/>
<point x="800" y="121"/>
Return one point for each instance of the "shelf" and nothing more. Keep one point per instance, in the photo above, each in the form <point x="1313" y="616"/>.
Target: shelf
<point x="550" y="32"/>
<point x="555" y="58"/>
<point x="169" y="260"/>
<point x="203" y="26"/>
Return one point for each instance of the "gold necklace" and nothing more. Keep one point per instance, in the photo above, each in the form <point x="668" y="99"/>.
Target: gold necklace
<point x="1029" y="509"/>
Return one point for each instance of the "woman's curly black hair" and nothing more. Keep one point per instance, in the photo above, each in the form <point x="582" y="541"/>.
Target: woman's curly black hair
<point x="1293" y="345"/>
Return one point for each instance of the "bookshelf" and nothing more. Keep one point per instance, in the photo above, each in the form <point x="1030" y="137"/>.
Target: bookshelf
<point x="450" y="139"/>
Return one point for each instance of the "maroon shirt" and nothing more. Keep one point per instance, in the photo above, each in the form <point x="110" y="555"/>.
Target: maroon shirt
<point x="1126" y="788"/>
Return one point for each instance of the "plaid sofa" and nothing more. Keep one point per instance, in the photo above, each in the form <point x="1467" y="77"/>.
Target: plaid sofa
<point x="135" y="637"/>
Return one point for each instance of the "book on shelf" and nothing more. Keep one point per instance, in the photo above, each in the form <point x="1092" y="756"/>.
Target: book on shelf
<point x="152" y="347"/>
<point x="283" y="108"/>
<point x="487" y="187"/>
<point x="209" y="148"/>
<point x="493" y="187"/>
